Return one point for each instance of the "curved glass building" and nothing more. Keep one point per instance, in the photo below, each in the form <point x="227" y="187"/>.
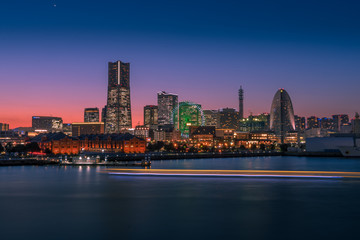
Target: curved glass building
<point x="282" y="114"/>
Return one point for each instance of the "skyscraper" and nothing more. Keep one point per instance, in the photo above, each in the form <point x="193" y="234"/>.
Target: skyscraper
<point x="150" y="115"/>
<point x="91" y="115"/>
<point x="282" y="114"/>
<point x="118" y="108"/>
<point x="167" y="102"/>
<point x="241" y="103"/>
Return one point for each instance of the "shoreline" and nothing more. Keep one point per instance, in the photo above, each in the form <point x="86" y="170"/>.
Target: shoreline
<point x="130" y="159"/>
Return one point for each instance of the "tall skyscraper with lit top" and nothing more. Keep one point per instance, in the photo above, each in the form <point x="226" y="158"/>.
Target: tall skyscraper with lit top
<point x="118" y="108"/>
<point x="282" y="114"/>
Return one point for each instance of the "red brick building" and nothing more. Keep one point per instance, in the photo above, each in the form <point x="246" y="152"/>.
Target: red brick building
<point x="59" y="143"/>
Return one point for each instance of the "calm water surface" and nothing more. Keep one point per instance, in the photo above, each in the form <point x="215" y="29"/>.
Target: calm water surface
<point x="81" y="203"/>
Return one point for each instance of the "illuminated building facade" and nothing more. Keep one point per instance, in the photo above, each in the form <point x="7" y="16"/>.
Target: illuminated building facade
<point x="326" y="123"/>
<point x="300" y="123"/>
<point x="340" y="120"/>
<point x="282" y="114"/>
<point x="211" y="117"/>
<point x="187" y="114"/>
<point x="228" y="118"/>
<point x="167" y="102"/>
<point x="91" y="115"/>
<point x="118" y="108"/>
<point x="254" y="123"/>
<point x="313" y="122"/>
<point x="49" y="124"/>
<point x="150" y="115"/>
<point x="59" y="143"/>
<point x="87" y="128"/>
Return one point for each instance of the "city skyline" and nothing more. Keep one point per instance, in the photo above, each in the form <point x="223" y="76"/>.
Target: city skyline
<point x="199" y="57"/>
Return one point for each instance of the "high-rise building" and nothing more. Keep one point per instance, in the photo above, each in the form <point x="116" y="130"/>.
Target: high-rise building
<point x="167" y="102"/>
<point x="340" y="120"/>
<point x="150" y="115"/>
<point x="118" y="108"/>
<point x="91" y="115"/>
<point x="50" y="124"/>
<point x="326" y="123"/>
<point x="186" y="115"/>
<point x="211" y="117"/>
<point x="103" y="115"/>
<point x="300" y="123"/>
<point x="282" y="114"/>
<point x="228" y="118"/>
<point x="241" y="103"/>
<point x="313" y="122"/>
<point x="4" y="127"/>
<point x="356" y="124"/>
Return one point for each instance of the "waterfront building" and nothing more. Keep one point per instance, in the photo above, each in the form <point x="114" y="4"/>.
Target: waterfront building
<point x="187" y="114"/>
<point x="118" y="108"/>
<point x="167" y="102"/>
<point x="300" y="123"/>
<point x="59" y="143"/>
<point x="228" y="118"/>
<point x="326" y="123"/>
<point x="241" y="103"/>
<point x="356" y="124"/>
<point x="210" y="117"/>
<point x="203" y="134"/>
<point x="49" y="124"/>
<point x="83" y="128"/>
<point x="313" y="122"/>
<point x="166" y="133"/>
<point x="4" y="127"/>
<point x="91" y="115"/>
<point x="225" y="134"/>
<point x="254" y="123"/>
<point x="142" y="132"/>
<point x="150" y="115"/>
<point x="282" y="114"/>
<point x="340" y="120"/>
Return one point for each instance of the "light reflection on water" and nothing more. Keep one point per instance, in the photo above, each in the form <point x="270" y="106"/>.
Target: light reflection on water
<point x="81" y="203"/>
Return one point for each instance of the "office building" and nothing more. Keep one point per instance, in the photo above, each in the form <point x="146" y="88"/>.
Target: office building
<point x="187" y="114"/>
<point x="91" y="115"/>
<point x="167" y="102"/>
<point x="87" y="128"/>
<point x="49" y="124"/>
<point x="150" y="115"/>
<point x="313" y="122"/>
<point x="118" y="108"/>
<point x="300" y="123"/>
<point x="356" y="124"/>
<point x="210" y="117"/>
<point x="228" y="118"/>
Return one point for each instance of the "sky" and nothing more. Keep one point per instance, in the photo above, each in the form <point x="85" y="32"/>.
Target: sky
<point x="54" y="55"/>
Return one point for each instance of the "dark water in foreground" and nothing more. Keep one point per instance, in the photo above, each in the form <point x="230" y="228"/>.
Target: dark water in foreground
<point x="80" y="203"/>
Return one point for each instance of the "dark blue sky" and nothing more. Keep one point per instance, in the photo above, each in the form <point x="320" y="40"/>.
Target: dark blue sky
<point x="202" y="50"/>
